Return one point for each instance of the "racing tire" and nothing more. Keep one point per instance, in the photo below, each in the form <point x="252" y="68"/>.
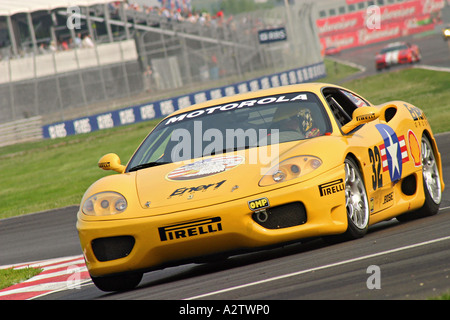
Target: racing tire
<point x="122" y="282"/>
<point x="431" y="185"/>
<point x="417" y="57"/>
<point x="356" y="204"/>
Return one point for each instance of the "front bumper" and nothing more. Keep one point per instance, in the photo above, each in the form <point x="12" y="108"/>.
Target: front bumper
<point x="154" y="242"/>
<point x="380" y="65"/>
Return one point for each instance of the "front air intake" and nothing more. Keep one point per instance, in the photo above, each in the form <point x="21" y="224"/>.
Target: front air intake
<point x="389" y="113"/>
<point x="284" y="216"/>
<point x="409" y="185"/>
<point x="111" y="248"/>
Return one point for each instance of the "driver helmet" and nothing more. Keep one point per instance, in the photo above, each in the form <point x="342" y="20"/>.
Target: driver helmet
<point x="300" y="114"/>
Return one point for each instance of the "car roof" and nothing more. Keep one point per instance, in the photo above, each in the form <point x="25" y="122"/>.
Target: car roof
<point x="394" y="44"/>
<point x="314" y="87"/>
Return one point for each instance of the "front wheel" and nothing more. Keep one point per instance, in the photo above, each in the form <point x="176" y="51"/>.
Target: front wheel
<point x="356" y="202"/>
<point x="121" y="282"/>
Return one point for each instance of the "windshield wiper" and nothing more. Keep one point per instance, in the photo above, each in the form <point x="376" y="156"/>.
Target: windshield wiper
<point x="147" y="165"/>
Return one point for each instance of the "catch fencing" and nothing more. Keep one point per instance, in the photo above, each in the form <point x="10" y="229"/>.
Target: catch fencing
<point x="162" y="108"/>
<point x="53" y="84"/>
<point x="181" y="55"/>
<point x="223" y="48"/>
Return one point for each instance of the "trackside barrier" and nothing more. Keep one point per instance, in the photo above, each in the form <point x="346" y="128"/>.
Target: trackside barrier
<point x="23" y="130"/>
<point x="162" y="108"/>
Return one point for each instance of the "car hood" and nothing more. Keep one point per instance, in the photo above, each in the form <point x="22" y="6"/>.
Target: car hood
<point x="178" y="186"/>
<point x="216" y="179"/>
<point x="389" y="55"/>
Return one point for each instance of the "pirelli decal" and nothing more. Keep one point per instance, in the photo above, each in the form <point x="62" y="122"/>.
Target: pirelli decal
<point x="190" y="229"/>
<point x="331" y="187"/>
<point x="364" y="117"/>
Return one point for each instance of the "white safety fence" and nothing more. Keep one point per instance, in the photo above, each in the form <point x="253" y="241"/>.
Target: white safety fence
<point x="53" y="63"/>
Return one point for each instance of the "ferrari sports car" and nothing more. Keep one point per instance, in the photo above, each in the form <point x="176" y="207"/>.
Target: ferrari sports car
<point x="331" y="51"/>
<point x="257" y="170"/>
<point x="397" y="53"/>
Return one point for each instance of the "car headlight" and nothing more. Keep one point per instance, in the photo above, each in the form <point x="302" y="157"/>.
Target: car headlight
<point x="104" y="204"/>
<point x="290" y="169"/>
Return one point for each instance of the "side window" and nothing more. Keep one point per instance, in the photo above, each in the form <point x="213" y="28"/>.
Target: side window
<point x="341" y="116"/>
<point x="358" y="101"/>
<point x="343" y="103"/>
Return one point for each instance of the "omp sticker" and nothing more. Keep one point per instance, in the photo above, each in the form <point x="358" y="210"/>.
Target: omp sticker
<point x="258" y="204"/>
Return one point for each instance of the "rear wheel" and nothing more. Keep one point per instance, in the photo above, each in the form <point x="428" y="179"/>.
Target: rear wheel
<point x="431" y="177"/>
<point x="122" y="282"/>
<point x="431" y="184"/>
<point x="419" y="56"/>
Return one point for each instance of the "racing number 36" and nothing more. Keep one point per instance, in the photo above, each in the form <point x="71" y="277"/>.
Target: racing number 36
<point x="375" y="160"/>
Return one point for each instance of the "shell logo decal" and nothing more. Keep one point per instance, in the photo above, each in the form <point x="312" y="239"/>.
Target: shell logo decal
<point x="414" y="148"/>
<point x="205" y="168"/>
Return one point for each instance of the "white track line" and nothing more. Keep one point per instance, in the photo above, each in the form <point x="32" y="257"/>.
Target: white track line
<point x="41" y="263"/>
<point x="293" y="274"/>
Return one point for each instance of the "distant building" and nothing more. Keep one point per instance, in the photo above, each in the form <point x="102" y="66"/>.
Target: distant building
<point x="351" y="23"/>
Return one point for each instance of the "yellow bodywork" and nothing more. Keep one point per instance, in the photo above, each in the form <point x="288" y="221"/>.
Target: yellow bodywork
<point x="173" y="221"/>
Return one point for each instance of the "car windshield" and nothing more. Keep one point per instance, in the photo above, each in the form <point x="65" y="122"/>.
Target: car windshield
<point x="394" y="48"/>
<point x="233" y="126"/>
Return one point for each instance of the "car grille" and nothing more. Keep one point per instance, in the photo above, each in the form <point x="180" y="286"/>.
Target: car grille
<point x="111" y="248"/>
<point x="284" y="216"/>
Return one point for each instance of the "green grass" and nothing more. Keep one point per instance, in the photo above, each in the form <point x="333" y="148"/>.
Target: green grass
<point x="426" y="89"/>
<point x="337" y="71"/>
<point x="444" y="296"/>
<point x="51" y="174"/>
<point x="9" y="277"/>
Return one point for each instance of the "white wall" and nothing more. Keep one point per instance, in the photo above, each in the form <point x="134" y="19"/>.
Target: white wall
<point x="65" y="61"/>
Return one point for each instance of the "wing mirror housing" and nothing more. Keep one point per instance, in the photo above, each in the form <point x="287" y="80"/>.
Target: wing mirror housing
<point x="360" y="116"/>
<point x="111" y="161"/>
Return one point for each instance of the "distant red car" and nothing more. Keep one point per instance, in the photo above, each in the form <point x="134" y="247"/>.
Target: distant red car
<point x="331" y="51"/>
<point x="397" y="53"/>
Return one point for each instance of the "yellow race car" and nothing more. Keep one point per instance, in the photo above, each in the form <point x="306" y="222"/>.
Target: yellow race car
<point x="256" y="170"/>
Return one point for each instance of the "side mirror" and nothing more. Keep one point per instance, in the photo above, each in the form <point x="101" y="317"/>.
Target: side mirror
<point x="111" y="161"/>
<point x="360" y="116"/>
